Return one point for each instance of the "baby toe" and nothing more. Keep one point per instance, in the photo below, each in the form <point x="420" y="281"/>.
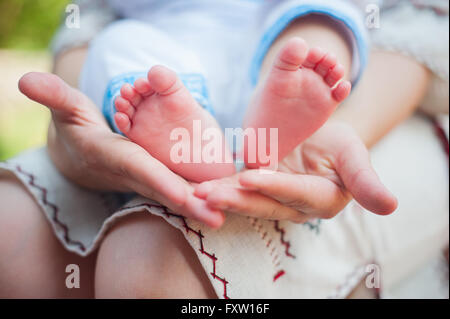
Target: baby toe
<point x="163" y="80"/>
<point x="335" y="75"/>
<point x="292" y="55"/>
<point x="143" y="87"/>
<point x="123" y="122"/>
<point x="327" y="63"/>
<point x="124" y="106"/>
<point x="129" y="93"/>
<point x="342" y="91"/>
<point x="315" y="55"/>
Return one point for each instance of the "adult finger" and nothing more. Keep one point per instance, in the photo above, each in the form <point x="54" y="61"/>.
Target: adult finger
<point x="154" y="180"/>
<point x="354" y="167"/>
<point x="50" y="90"/>
<point x="314" y="195"/>
<point x="250" y="203"/>
<point x="145" y="175"/>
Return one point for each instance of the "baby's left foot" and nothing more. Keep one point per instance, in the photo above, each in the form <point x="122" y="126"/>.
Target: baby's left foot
<point x="161" y="115"/>
<point x="297" y="97"/>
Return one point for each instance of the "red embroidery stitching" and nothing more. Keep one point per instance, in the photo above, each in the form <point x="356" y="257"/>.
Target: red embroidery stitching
<point x="264" y="234"/>
<point x="285" y="243"/>
<point x="278" y="275"/>
<point x="53" y="207"/>
<point x="442" y="136"/>
<point x="198" y="234"/>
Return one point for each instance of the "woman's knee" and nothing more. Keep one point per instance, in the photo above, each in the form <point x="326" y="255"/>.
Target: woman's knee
<point x="145" y="257"/>
<point x="32" y="261"/>
<point x="18" y="215"/>
<point x="20" y="225"/>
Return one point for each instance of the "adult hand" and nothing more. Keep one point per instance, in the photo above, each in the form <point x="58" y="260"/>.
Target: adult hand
<point x="317" y="180"/>
<point x="86" y="151"/>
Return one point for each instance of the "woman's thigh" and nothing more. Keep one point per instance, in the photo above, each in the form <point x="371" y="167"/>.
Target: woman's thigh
<point x="32" y="261"/>
<point x="144" y="257"/>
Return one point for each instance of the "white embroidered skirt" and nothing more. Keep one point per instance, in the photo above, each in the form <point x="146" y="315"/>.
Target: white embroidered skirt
<point x="252" y="258"/>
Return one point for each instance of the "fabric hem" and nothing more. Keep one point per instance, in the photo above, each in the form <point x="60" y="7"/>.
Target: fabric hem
<point x="351" y="281"/>
<point x="194" y="237"/>
<point x="50" y="209"/>
<point x="62" y="231"/>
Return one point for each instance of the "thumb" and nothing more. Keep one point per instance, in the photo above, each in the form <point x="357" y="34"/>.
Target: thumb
<point x="49" y="90"/>
<point x="354" y="167"/>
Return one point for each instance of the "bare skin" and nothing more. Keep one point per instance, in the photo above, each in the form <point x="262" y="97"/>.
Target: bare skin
<point x="77" y="120"/>
<point x="155" y="262"/>
<point x="66" y="140"/>
<point x="328" y="173"/>
<point x="78" y="116"/>
<point x="32" y="260"/>
<point x="67" y="65"/>
<point x="154" y="108"/>
<point x="297" y="96"/>
<point x="389" y="92"/>
<point x="318" y="33"/>
<point x="317" y="180"/>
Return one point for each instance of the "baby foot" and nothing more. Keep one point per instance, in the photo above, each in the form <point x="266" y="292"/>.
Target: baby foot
<point x="299" y="94"/>
<point x="150" y="114"/>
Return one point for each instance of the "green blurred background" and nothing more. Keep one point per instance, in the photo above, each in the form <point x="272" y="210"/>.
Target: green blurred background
<point x="26" y="29"/>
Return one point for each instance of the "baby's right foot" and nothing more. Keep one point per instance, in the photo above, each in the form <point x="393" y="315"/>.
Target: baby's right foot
<point x="154" y="108"/>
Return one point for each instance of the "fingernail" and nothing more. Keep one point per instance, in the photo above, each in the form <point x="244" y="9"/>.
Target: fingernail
<point x="215" y="202"/>
<point x="202" y="190"/>
<point x="248" y="180"/>
<point x="217" y="205"/>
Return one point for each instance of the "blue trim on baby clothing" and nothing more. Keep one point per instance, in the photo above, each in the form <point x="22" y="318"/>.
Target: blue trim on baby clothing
<point x="272" y="33"/>
<point x="195" y="83"/>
